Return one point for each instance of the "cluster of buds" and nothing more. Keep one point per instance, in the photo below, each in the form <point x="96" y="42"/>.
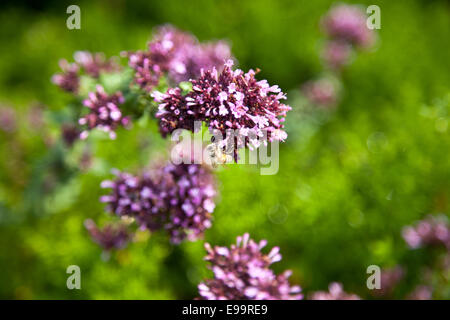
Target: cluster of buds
<point x="176" y="198"/>
<point x="230" y="101"/>
<point x="176" y="54"/>
<point x="242" y="272"/>
<point x="336" y="292"/>
<point x="345" y="26"/>
<point x="91" y="64"/>
<point x="104" y="112"/>
<point x="432" y="231"/>
<point x="111" y="236"/>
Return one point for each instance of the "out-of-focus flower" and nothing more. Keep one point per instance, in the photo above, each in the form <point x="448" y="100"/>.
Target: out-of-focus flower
<point x="348" y="23"/>
<point x="94" y="63"/>
<point x="322" y="92"/>
<point x="432" y="231"/>
<point x="242" y="272"/>
<point x="177" y="198"/>
<point x="69" y="79"/>
<point x="336" y="54"/>
<point x="191" y="59"/>
<point x="86" y="160"/>
<point x="147" y="73"/>
<point x="104" y="112"/>
<point x="336" y="292"/>
<point x="389" y="280"/>
<point x="111" y="236"/>
<point x="176" y="53"/>
<point x="233" y="100"/>
<point x="8" y="121"/>
<point x="35" y="116"/>
<point x="421" y="292"/>
<point x="70" y="133"/>
<point x="151" y="65"/>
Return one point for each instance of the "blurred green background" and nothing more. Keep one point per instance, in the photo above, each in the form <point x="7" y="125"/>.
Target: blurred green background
<point x="343" y="191"/>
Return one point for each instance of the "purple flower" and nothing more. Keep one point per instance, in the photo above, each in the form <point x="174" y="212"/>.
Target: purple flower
<point x="336" y="292"/>
<point x="69" y="79"/>
<point x="233" y="100"/>
<point x="336" y="53"/>
<point x="104" y="112"/>
<point x="190" y="193"/>
<point x="321" y="92"/>
<point x="94" y="63"/>
<point x="150" y="66"/>
<point x="174" y="111"/>
<point x="176" y="53"/>
<point x="348" y="23"/>
<point x="135" y="197"/>
<point x="176" y="198"/>
<point x="432" y="231"/>
<point x="242" y="272"/>
<point x="112" y="236"/>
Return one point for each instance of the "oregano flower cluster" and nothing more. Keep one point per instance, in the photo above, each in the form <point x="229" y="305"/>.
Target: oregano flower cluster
<point x="348" y="23"/>
<point x="104" y="112"/>
<point x="230" y="100"/>
<point x="95" y="63"/>
<point x="175" y="198"/>
<point x="69" y="79"/>
<point x="176" y="54"/>
<point x="346" y="28"/>
<point x="91" y="63"/>
<point x="431" y="231"/>
<point x="243" y="272"/>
